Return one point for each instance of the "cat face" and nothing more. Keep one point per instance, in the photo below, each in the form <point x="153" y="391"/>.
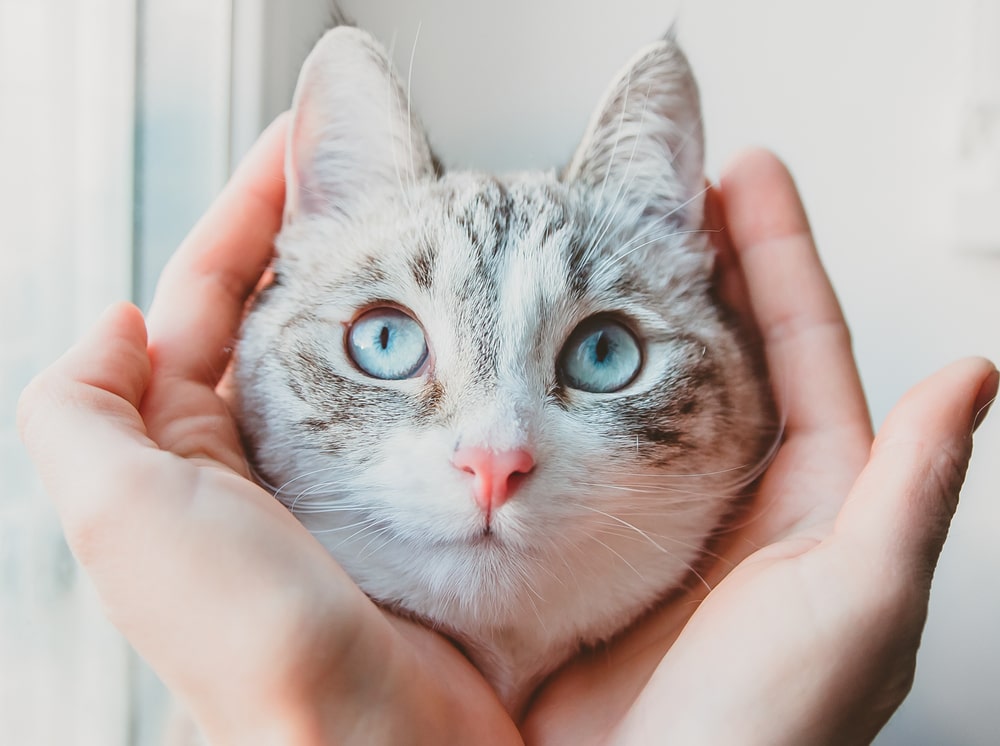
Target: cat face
<point x="507" y="405"/>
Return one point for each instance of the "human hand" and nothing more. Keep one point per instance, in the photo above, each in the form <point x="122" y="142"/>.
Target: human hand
<point x="813" y="634"/>
<point x="234" y="604"/>
<point x="820" y="591"/>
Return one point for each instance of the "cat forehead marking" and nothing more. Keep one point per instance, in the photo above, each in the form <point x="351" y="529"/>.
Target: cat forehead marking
<point x="496" y="266"/>
<point x="494" y="232"/>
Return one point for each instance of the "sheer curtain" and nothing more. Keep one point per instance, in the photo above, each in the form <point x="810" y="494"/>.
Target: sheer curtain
<point x="114" y="136"/>
<point x="66" y="87"/>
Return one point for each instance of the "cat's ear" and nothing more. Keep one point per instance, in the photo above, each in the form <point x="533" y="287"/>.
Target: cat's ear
<point x="352" y="132"/>
<point x="644" y="146"/>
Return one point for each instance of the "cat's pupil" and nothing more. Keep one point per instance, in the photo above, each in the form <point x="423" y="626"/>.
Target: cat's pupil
<point x="602" y="348"/>
<point x="383" y="338"/>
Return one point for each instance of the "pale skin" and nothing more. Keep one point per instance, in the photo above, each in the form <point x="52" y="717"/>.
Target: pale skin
<point x="819" y="594"/>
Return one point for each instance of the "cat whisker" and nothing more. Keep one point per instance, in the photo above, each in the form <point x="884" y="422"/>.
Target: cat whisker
<point x="658" y="492"/>
<point x="621" y="487"/>
<point x="526" y="581"/>
<point x="541" y="565"/>
<point x="562" y="557"/>
<point x="614" y="151"/>
<point x="687" y="136"/>
<point x="625" y="524"/>
<point x="683" y="474"/>
<point x="534" y="606"/>
<point x="324" y="508"/>
<point x="375" y="535"/>
<point x="612" y="550"/>
<point x="618" y="200"/>
<point x="409" y="100"/>
<point x="366" y="522"/>
<point x="394" y="109"/>
<point x="360" y="531"/>
<point x="698" y="548"/>
<point x="623" y="254"/>
<point x="666" y="218"/>
<point x="324" y="491"/>
<point x="617" y="531"/>
<point x="277" y="492"/>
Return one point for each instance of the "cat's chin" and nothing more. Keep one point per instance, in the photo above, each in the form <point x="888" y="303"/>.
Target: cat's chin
<point x="514" y="667"/>
<point x="514" y="629"/>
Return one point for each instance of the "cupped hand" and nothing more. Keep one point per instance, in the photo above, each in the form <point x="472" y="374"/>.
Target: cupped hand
<point x="240" y="611"/>
<point x="819" y="594"/>
<point x="818" y="597"/>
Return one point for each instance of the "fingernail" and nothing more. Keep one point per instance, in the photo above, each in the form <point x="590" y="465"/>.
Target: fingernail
<point x="987" y="395"/>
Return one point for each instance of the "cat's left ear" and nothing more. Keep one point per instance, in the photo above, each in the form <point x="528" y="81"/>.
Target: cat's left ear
<point x="352" y="132"/>
<point x="644" y="148"/>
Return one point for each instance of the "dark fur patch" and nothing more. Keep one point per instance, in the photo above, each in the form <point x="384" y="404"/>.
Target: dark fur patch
<point x="313" y="425"/>
<point x="431" y="399"/>
<point x="556" y="225"/>
<point x="579" y="269"/>
<point x="664" y="437"/>
<point x="313" y="380"/>
<point x="422" y="267"/>
<point x="369" y="272"/>
<point x="486" y="220"/>
<point x="320" y="429"/>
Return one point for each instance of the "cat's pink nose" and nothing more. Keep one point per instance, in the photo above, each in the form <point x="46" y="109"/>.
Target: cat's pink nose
<point x="497" y="473"/>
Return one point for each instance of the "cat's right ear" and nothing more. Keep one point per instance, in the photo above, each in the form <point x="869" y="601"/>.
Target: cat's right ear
<point x="645" y="142"/>
<point x="352" y="133"/>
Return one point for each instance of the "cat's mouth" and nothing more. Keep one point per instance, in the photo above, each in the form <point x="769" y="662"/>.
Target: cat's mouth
<point x="487" y="536"/>
<point x="490" y="538"/>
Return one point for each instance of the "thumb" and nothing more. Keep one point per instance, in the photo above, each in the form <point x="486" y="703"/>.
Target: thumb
<point x="903" y="501"/>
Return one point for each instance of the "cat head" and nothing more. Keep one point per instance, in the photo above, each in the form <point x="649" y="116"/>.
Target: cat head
<point x="494" y="397"/>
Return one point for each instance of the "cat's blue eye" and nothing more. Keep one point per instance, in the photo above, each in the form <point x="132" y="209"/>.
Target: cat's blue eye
<point x="601" y="356"/>
<point x="386" y="343"/>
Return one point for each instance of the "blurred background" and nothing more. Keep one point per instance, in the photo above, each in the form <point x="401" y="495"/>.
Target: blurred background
<point x="120" y="119"/>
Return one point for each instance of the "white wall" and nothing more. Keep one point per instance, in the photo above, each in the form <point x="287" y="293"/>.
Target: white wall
<point x="864" y="101"/>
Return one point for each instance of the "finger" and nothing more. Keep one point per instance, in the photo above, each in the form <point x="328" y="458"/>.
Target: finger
<point x="903" y="501"/>
<point x="201" y="294"/>
<point x="807" y="343"/>
<point x="79" y="418"/>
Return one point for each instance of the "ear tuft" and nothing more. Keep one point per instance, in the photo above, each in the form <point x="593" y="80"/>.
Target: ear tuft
<point x="645" y="142"/>
<point x="352" y="132"/>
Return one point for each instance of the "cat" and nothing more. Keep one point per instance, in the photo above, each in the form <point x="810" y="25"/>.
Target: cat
<point x="511" y="406"/>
